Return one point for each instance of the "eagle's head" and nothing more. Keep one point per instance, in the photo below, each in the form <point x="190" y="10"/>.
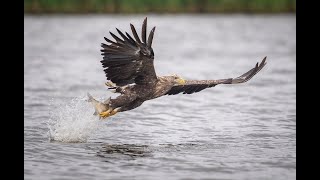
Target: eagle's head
<point x="174" y="79"/>
<point x="178" y="80"/>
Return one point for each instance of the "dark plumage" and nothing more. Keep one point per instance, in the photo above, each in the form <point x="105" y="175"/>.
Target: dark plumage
<point x="128" y="65"/>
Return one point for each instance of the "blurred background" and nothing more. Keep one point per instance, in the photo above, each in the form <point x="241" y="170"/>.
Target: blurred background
<point x="245" y="131"/>
<point x="159" y="6"/>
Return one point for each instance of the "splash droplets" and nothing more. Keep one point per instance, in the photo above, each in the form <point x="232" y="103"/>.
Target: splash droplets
<point x="72" y="122"/>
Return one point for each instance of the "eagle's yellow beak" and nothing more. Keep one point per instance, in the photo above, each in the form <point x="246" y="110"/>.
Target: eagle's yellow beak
<point x="181" y="81"/>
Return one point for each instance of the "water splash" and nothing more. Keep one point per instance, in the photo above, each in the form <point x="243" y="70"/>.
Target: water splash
<point x="73" y="122"/>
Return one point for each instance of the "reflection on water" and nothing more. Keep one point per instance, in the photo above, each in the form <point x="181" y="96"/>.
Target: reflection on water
<point x="134" y="150"/>
<point x="131" y="150"/>
<point x="245" y="131"/>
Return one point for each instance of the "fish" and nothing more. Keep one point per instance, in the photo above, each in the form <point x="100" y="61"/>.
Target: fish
<point x="98" y="106"/>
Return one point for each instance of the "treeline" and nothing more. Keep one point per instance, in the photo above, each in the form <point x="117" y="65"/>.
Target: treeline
<point x="159" y="6"/>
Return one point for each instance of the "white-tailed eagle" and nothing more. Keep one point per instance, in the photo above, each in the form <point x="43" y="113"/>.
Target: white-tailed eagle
<point x="128" y="65"/>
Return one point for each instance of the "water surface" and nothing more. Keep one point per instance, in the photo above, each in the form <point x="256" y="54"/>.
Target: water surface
<point x="245" y="131"/>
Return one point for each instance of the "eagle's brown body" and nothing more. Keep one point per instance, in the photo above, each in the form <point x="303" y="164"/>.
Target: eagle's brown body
<point x="128" y="64"/>
<point x="133" y="96"/>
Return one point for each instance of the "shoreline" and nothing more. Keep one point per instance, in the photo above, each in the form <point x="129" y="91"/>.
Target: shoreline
<point x="159" y="6"/>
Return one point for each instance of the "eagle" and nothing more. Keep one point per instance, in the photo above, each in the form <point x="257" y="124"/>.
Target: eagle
<point x="128" y="63"/>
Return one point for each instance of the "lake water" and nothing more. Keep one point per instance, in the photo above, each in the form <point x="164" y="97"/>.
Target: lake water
<point x="245" y="131"/>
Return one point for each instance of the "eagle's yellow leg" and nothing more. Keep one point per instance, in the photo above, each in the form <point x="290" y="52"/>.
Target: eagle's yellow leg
<point x="108" y="113"/>
<point x="105" y="114"/>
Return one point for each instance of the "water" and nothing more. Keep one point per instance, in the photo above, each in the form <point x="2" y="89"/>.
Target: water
<point x="245" y="131"/>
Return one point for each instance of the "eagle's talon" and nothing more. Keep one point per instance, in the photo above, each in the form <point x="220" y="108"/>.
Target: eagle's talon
<point x="108" y="113"/>
<point x="105" y="114"/>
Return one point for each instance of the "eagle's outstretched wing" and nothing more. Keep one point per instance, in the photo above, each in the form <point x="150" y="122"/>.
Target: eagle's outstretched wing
<point x="192" y="86"/>
<point x="129" y="60"/>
